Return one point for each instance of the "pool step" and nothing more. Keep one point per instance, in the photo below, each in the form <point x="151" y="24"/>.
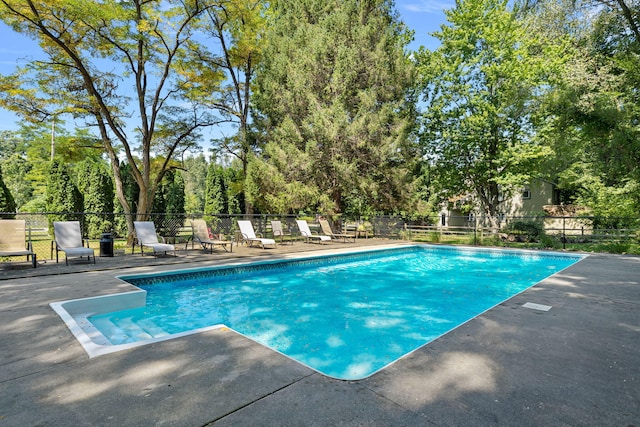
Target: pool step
<point x="125" y="330"/>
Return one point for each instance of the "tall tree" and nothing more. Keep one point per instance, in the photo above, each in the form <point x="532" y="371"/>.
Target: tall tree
<point x="591" y="115"/>
<point x="333" y="94"/>
<point x="215" y="201"/>
<point x="236" y="29"/>
<point x="109" y="61"/>
<point x="195" y="178"/>
<point x="63" y="199"/>
<point x="95" y="183"/>
<point x="480" y="88"/>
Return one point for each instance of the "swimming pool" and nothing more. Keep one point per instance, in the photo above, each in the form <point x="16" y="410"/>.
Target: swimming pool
<point x="346" y="316"/>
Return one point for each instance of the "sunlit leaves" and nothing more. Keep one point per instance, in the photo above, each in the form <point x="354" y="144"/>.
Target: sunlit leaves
<point x="480" y="89"/>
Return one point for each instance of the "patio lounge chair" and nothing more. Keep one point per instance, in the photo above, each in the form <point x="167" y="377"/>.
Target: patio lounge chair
<point x="326" y="229"/>
<point x="12" y="240"/>
<point x="147" y="237"/>
<point x="249" y="236"/>
<point x="306" y="233"/>
<point x="201" y="235"/>
<point x="276" y="228"/>
<point x="68" y="239"/>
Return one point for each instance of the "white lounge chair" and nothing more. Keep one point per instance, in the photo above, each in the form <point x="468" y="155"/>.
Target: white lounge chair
<point x="68" y="239"/>
<point x="306" y="232"/>
<point x="249" y="236"/>
<point x="147" y="237"/>
<point x="12" y="240"/>
<point x="326" y="229"/>
<point x="201" y="235"/>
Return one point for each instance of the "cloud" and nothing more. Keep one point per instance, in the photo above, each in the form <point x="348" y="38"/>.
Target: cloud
<point x="427" y="6"/>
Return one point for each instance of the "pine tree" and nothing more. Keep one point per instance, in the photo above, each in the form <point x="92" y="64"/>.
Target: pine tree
<point x="215" y="201"/>
<point x="333" y="90"/>
<point x="95" y="183"/>
<point x="63" y="199"/>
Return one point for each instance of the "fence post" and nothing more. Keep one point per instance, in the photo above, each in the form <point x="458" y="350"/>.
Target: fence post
<point x="564" y="234"/>
<point x="475" y="230"/>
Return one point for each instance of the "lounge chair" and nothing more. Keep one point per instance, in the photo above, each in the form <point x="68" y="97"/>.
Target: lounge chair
<point x="306" y="233"/>
<point x="249" y="236"/>
<point x="201" y="235"/>
<point x="147" y="237"/>
<point x="68" y="239"/>
<point x="326" y="229"/>
<point x="276" y="228"/>
<point x="12" y="240"/>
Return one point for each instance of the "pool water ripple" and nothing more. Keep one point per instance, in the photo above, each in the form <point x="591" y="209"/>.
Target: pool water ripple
<point x="345" y="317"/>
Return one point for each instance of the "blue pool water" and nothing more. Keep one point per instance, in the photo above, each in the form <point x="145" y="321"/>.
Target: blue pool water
<point x="344" y="316"/>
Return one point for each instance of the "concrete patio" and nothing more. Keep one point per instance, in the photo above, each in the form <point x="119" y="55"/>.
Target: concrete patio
<point x="577" y="364"/>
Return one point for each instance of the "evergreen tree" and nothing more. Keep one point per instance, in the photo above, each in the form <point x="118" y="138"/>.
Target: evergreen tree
<point x="7" y="204"/>
<point x="234" y="179"/>
<point x="94" y="181"/>
<point x="215" y="194"/>
<point x="63" y="199"/>
<point x="195" y="178"/>
<point x="175" y="195"/>
<point x="333" y="89"/>
<point x="168" y="203"/>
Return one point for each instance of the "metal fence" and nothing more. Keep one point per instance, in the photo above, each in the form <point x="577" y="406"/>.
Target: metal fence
<point x="536" y="231"/>
<point x="543" y="232"/>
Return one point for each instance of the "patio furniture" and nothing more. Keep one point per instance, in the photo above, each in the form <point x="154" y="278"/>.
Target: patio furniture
<point x="147" y="237"/>
<point x="308" y="236"/>
<point x="201" y="235"/>
<point x="276" y="228"/>
<point x="249" y="235"/>
<point x="68" y="239"/>
<point x="12" y="240"/>
<point x="326" y="229"/>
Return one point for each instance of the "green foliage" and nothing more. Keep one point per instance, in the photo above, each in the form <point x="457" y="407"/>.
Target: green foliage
<point x="91" y="68"/>
<point x="168" y="204"/>
<point x="215" y="194"/>
<point x="7" y="204"/>
<point x="611" y="206"/>
<point x="35" y="205"/>
<point x="333" y="91"/>
<point x="235" y="190"/>
<point x="16" y="169"/>
<point x="175" y="193"/>
<point x="63" y="199"/>
<point x="480" y="89"/>
<point x="590" y="117"/>
<point x="195" y="178"/>
<point x="525" y="230"/>
<point x="94" y="181"/>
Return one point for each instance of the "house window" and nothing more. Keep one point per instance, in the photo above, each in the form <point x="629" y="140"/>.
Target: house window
<point x="526" y="193"/>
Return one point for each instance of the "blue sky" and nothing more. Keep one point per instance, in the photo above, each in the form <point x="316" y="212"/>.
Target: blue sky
<point x="423" y="16"/>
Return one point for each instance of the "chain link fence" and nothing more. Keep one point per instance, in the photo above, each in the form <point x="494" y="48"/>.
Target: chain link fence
<point x="578" y="233"/>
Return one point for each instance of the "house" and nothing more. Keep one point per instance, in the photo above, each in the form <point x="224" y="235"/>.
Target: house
<point x="530" y="201"/>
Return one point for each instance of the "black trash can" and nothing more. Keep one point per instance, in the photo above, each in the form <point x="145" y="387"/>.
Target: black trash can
<point x="106" y="245"/>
